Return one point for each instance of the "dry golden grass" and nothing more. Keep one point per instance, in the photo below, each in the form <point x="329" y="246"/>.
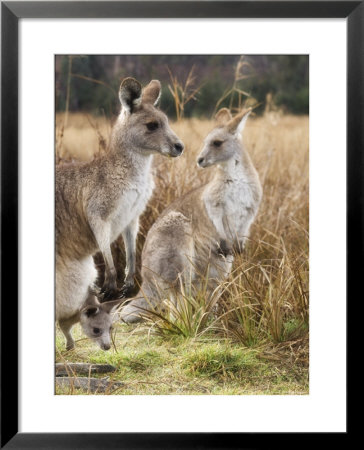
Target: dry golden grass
<point x="82" y="138"/>
<point x="265" y="299"/>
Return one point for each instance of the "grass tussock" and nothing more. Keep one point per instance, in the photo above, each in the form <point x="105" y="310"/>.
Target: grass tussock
<point x="226" y="362"/>
<point x="259" y="317"/>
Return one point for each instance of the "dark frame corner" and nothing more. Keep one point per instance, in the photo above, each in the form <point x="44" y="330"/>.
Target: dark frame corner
<point x="11" y="12"/>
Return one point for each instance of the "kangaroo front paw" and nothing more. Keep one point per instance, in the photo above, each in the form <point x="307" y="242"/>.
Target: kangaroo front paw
<point x="224" y="249"/>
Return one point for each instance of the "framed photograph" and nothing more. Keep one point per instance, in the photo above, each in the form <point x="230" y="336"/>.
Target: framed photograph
<point x="181" y="225"/>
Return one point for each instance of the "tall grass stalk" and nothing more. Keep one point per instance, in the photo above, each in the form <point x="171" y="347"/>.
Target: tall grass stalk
<point x="182" y="93"/>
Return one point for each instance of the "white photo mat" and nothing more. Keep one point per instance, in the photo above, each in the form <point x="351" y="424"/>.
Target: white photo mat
<point x="324" y="409"/>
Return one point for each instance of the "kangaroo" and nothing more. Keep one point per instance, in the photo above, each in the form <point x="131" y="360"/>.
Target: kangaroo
<point x="99" y="200"/>
<point x="195" y="236"/>
<point x="96" y="321"/>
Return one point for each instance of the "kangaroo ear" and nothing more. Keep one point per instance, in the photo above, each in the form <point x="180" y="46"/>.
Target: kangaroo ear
<point x="152" y="92"/>
<point x="223" y="116"/>
<point x="130" y="93"/>
<point x="237" y="124"/>
<point x="90" y="311"/>
<point x="91" y="299"/>
<point x="91" y="307"/>
<point x="111" y="305"/>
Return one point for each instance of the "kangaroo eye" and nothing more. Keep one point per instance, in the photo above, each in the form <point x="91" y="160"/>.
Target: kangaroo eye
<point x="152" y="126"/>
<point x="96" y="330"/>
<point x="217" y="143"/>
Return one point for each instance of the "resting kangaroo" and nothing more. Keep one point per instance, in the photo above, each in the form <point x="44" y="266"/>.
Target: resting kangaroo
<point x="99" y="200"/>
<point x="194" y="237"/>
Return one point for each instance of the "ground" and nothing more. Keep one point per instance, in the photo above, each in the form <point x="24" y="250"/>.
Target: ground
<point x="148" y="364"/>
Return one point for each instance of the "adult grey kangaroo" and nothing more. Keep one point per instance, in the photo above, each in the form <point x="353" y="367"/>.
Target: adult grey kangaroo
<point x="99" y="200"/>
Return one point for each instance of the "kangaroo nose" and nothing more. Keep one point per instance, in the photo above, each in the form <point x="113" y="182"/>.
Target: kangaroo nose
<point x="178" y="147"/>
<point x="107" y="346"/>
<point x="200" y="161"/>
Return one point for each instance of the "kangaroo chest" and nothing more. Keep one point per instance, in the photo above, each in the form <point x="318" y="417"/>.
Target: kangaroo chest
<point x="228" y="205"/>
<point x="130" y="205"/>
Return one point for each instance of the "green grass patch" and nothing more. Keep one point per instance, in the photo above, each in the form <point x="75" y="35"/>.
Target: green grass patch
<point x="151" y="365"/>
<point x="223" y="361"/>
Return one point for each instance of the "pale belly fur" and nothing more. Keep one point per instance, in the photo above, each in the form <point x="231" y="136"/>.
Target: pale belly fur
<point x="130" y="207"/>
<point x="231" y="210"/>
<point x="238" y="210"/>
<point x="73" y="278"/>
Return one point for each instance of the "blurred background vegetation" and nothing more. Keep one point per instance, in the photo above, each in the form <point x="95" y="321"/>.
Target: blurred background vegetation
<point x="90" y="82"/>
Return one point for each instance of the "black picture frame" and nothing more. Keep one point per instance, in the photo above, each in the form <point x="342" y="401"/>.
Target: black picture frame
<point x="11" y="12"/>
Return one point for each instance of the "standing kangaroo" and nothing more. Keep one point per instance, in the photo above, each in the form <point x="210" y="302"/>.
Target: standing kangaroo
<point x="193" y="238"/>
<point x="99" y="200"/>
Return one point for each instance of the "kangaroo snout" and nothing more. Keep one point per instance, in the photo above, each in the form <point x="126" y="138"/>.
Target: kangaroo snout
<point x="177" y="149"/>
<point x="202" y="162"/>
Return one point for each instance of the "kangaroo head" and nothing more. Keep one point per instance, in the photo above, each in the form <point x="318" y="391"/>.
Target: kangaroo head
<point x="223" y="142"/>
<point x="96" y="320"/>
<point x="145" y="128"/>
